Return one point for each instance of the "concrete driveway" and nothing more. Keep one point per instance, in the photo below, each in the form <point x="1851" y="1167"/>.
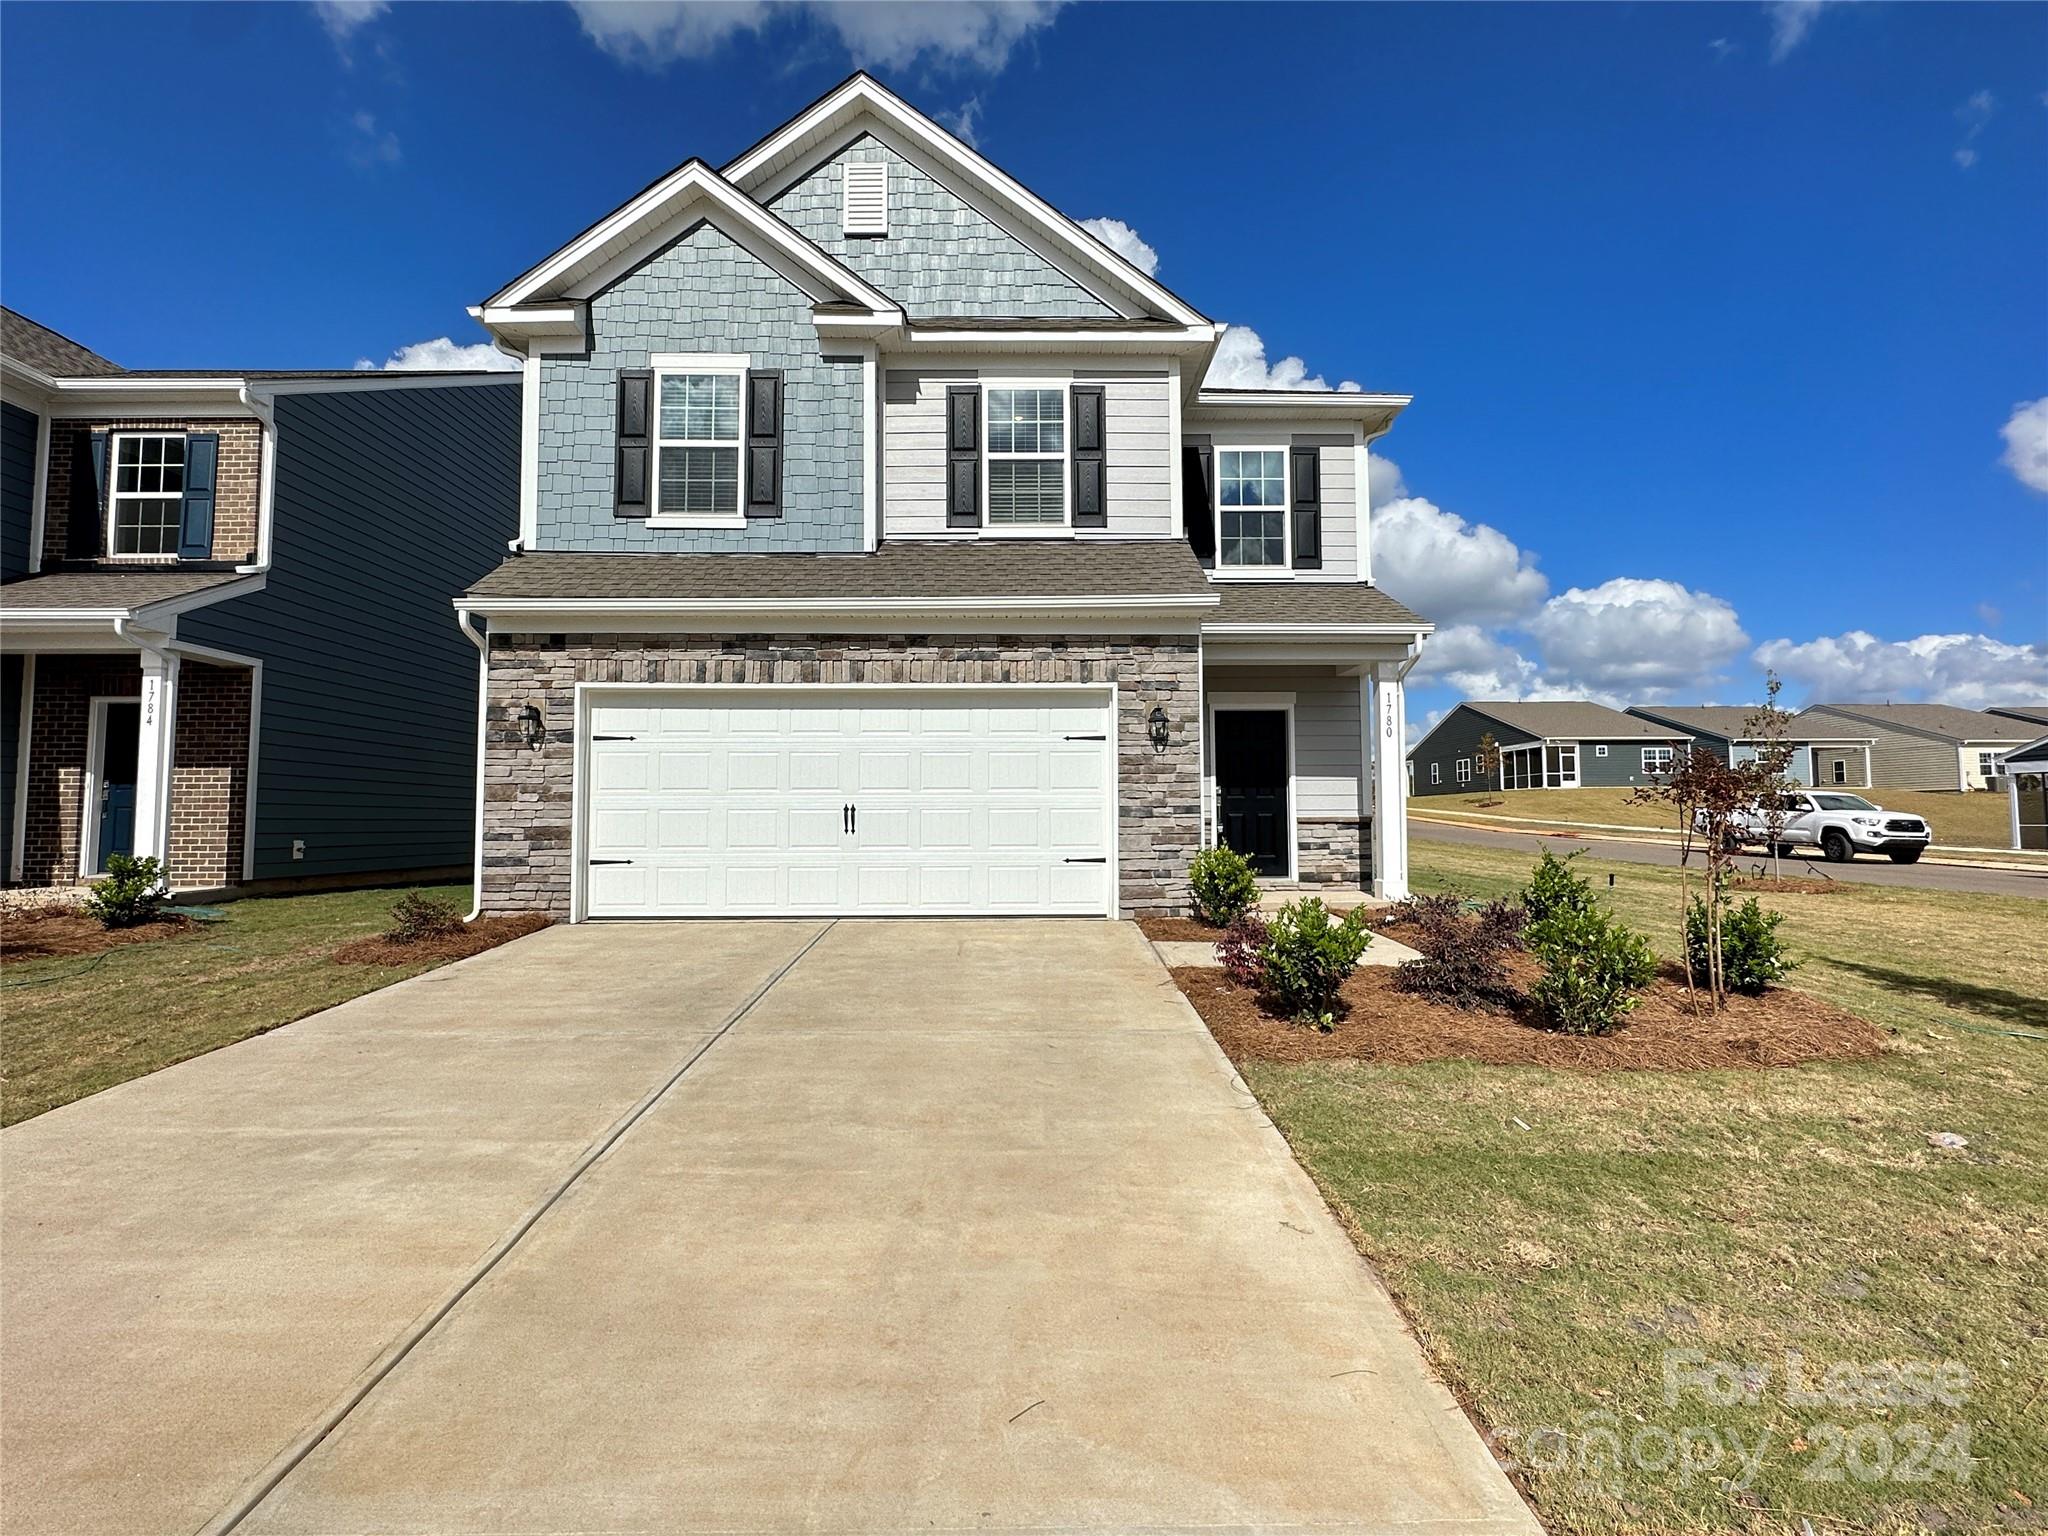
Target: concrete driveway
<point x="874" y="1226"/>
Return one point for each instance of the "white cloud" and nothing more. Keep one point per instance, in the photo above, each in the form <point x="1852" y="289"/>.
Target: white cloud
<point x="876" y="34"/>
<point x="1646" y="638"/>
<point x="1966" y="157"/>
<point x="1240" y="363"/>
<point x="1968" y="670"/>
<point x="1474" y="663"/>
<point x="370" y="145"/>
<point x="1973" y="114"/>
<point x="1791" y="20"/>
<point x="2026" y="443"/>
<point x="1722" y="47"/>
<point x="344" y="18"/>
<point x="443" y="352"/>
<point x="1445" y="568"/>
<point x="1124" y="240"/>
<point x="964" y="122"/>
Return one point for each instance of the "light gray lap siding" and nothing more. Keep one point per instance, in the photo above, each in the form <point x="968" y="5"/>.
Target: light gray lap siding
<point x="941" y="256"/>
<point x="1327" y="733"/>
<point x="388" y="503"/>
<point x="704" y="293"/>
<point x="1621" y="768"/>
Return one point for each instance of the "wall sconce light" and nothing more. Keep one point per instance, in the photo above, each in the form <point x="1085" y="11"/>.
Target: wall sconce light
<point x="531" y="726"/>
<point x="1155" y="726"/>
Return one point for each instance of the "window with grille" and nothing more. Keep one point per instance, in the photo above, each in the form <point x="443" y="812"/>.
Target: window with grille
<point x="697" y="444"/>
<point x="1251" y="495"/>
<point x="1027" y="458"/>
<point x="149" y="493"/>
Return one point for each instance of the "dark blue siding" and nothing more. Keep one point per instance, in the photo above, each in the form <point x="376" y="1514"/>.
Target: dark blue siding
<point x="10" y="749"/>
<point x="388" y="503"/>
<point x="17" y="488"/>
<point x="1458" y="736"/>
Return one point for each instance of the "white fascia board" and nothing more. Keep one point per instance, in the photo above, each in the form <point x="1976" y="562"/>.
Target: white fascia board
<point x="1350" y="405"/>
<point x="25" y="383"/>
<point x="1139" y="603"/>
<point x="1066" y="339"/>
<point x="754" y="167"/>
<point x="113" y="399"/>
<point x="1318" y="631"/>
<point x="663" y="205"/>
<point x="379" y="378"/>
<point x="150" y="613"/>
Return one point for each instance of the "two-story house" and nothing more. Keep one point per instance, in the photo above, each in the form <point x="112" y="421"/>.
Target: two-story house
<point x="224" y="636"/>
<point x="882" y="550"/>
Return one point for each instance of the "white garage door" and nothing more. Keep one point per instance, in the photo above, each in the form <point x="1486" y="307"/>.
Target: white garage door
<point x="764" y="802"/>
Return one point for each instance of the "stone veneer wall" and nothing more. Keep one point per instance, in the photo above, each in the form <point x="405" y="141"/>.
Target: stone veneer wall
<point x="528" y="792"/>
<point x="1334" y="852"/>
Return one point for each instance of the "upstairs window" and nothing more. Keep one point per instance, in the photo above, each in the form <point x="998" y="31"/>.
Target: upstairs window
<point x="1027" y="458"/>
<point x="697" y="444"/>
<point x="1251" y="495"/>
<point x="149" y="493"/>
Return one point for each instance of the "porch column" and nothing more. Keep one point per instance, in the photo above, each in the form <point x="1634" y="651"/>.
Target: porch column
<point x="153" y="752"/>
<point x="1389" y="782"/>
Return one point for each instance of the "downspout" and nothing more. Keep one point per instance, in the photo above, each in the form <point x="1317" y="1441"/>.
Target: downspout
<point x="482" y="642"/>
<point x="263" y="408"/>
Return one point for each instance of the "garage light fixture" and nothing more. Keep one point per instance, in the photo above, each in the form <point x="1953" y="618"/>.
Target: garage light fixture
<point x="532" y="727"/>
<point x="1155" y="724"/>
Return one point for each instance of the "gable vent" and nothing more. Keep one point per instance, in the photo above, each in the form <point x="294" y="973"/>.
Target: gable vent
<point x="867" y="198"/>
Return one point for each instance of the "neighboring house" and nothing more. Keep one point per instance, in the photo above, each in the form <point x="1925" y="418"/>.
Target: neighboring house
<point x="224" y="624"/>
<point x="1553" y="744"/>
<point x="2025" y="772"/>
<point x="2026" y="714"/>
<point x="882" y="551"/>
<point x="1923" y="746"/>
<point x="1725" y="731"/>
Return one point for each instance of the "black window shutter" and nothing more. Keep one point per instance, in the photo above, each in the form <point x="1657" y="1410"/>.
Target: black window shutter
<point x="1198" y="497"/>
<point x="1091" y="488"/>
<point x="195" y="517"/>
<point x="85" y="521"/>
<point x="963" y="456"/>
<point x="764" y="442"/>
<point x="1308" y="508"/>
<point x="630" y="496"/>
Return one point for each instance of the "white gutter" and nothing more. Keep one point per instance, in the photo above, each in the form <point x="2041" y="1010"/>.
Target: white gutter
<point x="263" y="408"/>
<point x="483" y="698"/>
<point x="605" y="606"/>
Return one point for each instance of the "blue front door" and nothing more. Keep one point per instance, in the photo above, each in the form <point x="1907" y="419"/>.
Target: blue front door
<point x="120" y="736"/>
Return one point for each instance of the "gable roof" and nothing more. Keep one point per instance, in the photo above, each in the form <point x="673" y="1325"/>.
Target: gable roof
<point x="859" y="96"/>
<point x="2034" y="713"/>
<point x="1571" y="720"/>
<point x="47" y="351"/>
<point x="1729" y="722"/>
<point x="1947" y="722"/>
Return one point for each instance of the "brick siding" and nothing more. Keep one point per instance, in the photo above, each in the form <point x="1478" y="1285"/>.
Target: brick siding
<point x="236" y="484"/>
<point x="209" y="769"/>
<point x="528" y="792"/>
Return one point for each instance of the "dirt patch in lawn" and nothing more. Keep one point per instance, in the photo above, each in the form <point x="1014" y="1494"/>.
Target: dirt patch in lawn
<point x="50" y="934"/>
<point x="1781" y="1028"/>
<point x="1786" y="885"/>
<point x="471" y="939"/>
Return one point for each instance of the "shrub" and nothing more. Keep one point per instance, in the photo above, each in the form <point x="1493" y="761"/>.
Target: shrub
<point x="1752" y="954"/>
<point x="1308" y="954"/>
<point x="131" y="894"/>
<point x="416" y="917"/>
<point x="1242" y="951"/>
<point x="1593" y="965"/>
<point x="1223" y="886"/>
<point x="1553" y="888"/>
<point x="1463" y="959"/>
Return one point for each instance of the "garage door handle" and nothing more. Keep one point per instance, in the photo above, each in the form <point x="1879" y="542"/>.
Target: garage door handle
<point x="1100" y="858"/>
<point x="609" y="861"/>
<point x="615" y="738"/>
<point x="1087" y="738"/>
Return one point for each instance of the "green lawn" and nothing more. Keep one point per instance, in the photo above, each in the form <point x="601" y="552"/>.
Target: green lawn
<point x="77" y="1025"/>
<point x="1979" y="820"/>
<point x="1552" y="1236"/>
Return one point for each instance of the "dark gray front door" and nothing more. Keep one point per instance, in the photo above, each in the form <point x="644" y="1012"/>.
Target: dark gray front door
<point x="1251" y="785"/>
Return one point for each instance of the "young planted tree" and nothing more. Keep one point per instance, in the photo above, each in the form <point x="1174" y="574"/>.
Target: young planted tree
<point x="1486" y="757"/>
<point x="1770" y="732"/>
<point x="1709" y="797"/>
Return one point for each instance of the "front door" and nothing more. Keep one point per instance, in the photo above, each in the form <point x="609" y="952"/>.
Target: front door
<point x="120" y="737"/>
<point x="1251" y="786"/>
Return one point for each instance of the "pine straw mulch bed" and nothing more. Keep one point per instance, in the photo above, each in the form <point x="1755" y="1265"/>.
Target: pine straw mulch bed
<point x="470" y="939"/>
<point x="50" y="933"/>
<point x="1781" y="1028"/>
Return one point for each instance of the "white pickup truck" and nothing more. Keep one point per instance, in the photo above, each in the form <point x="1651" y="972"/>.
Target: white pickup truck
<point x="1840" y="825"/>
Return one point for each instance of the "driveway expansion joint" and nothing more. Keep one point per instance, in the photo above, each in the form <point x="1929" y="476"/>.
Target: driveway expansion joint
<point x="266" y="1482"/>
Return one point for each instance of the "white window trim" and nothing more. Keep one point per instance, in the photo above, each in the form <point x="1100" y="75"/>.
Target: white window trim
<point x="95" y="747"/>
<point x="115" y="497"/>
<point x="1436" y="773"/>
<point x="1562" y="782"/>
<point x="694" y="362"/>
<point x="1065" y="526"/>
<point x="1224" y="572"/>
<point x="1239" y="703"/>
<point x="1600" y="750"/>
<point x="1464" y="770"/>
<point x="1669" y="754"/>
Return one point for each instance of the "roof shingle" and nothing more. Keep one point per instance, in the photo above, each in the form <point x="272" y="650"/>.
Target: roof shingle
<point x="129" y="589"/>
<point x="46" y="351"/>
<point x="1308" y="602"/>
<point x="1572" y="720"/>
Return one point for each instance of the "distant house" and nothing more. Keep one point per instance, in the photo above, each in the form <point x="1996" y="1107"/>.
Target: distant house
<point x="2026" y="782"/>
<point x="1924" y="746"/>
<point x="1554" y="744"/>
<point x="1724" y="730"/>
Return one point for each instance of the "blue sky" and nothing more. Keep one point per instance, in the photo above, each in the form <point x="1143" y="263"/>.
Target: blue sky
<point x="1722" y="321"/>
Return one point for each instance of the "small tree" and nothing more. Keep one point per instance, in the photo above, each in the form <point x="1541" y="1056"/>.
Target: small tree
<point x="1709" y="798"/>
<point x="1486" y="758"/>
<point x="1770" y="732"/>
